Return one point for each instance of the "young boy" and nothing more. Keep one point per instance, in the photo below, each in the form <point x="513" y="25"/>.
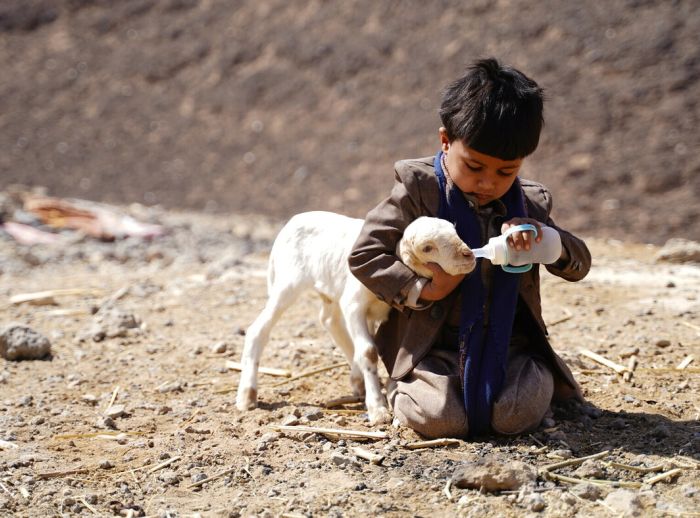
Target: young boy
<point x="469" y="355"/>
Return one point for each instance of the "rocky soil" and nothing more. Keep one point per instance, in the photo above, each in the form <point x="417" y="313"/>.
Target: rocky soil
<point x="133" y="413"/>
<point x="276" y="107"/>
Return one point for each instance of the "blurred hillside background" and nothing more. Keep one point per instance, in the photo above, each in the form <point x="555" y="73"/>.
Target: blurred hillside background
<point x="276" y="107"/>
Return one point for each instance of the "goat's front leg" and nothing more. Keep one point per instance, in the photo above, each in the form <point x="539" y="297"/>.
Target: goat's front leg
<point x="365" y="359"/>
<point x="334" y="322"/>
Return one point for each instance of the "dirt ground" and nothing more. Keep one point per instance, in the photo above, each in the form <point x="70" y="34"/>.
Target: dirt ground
<point x="194" y="291"/>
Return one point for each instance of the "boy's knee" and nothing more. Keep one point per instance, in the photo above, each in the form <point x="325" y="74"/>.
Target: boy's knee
<point x="522" y="405"/>
<point x="514" y="424"/>
<point x="433" y="423"/>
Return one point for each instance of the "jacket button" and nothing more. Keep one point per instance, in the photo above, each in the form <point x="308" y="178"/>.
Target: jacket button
<point x="436" y="312"/>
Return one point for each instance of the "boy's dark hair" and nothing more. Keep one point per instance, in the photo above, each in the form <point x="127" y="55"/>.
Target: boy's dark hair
<point x="495" y="110"/>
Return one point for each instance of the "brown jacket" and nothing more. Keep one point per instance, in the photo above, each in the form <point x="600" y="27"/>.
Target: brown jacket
<point x="408" y="334"/>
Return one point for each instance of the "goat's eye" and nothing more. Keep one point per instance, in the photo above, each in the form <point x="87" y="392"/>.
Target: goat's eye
<point x="427" y="249"/>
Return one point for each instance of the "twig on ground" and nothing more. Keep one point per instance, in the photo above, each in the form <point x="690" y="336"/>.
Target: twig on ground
<point x="371" y="457"/>
<point x="446" y="489"/>
<point x="237" y="366"/>
<point x="246" y="468"/>
<point x="568" y="315"/>
<point x="209" y="479"/>
<point x="84" y="502"/>
<point x="40" y="297"/>
<point x="225" y="390"/>
<point x="692" y="463"/>
<point x="4" y="488"/>
<point x="164" y="464"/>
<point x="663" y="476"/>
<point x="113" y="398"/>
<point x="537" y="441"/>
<point x="639" y="469"/>
<point x="691" y="326"/>
<point x="309" y="373"/>
<point x="631" y="365"/>
<point x="603" y="360"/>
<point x="110" y="437"/>
<point x="572" y="462"/>
<point x="346" y="411"/>
<point x="331" y="431"/>
<point x="573" y="480"/>
<point x="435" y="443"/>
<point x="686" y="361"/>
<point x="58" y="474"/>
<point x="65" y="312"/>
<point x="345" y="400"/>
<point x="94" y="434"/>
<point x="194" y="414"/>
<point x="666" y="370"/>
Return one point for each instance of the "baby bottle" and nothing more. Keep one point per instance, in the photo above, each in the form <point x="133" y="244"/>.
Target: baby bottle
<point x="547" y="251"/>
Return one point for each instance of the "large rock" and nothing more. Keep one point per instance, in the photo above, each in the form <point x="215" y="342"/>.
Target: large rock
<point x="109" y="322"/>
<point x="19" y="342"/>
<point x="625" y="502"/>
<point x="489" y="474"/>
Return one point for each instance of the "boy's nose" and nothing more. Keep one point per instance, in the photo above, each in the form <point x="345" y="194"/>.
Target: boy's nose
<point x="485" y="186"/>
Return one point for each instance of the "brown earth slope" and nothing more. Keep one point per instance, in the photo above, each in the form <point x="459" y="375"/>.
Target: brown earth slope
<point x="277" y="107"/>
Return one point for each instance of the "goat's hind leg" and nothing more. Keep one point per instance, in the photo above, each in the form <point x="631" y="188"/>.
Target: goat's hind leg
<point x="256" y="339"/>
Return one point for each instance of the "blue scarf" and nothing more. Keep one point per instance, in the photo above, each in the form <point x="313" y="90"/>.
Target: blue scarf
<point x="483" y="347"/>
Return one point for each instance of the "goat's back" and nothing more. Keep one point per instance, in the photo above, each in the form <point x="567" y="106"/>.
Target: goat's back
<point x="311" y="251"/>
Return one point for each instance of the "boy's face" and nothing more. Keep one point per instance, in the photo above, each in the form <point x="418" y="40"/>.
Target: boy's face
<point x="485" y="177"/>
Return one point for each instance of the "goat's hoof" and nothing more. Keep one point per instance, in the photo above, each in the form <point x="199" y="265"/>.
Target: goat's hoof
<point x="381" y="415"/>
<point x="247" y="399"/>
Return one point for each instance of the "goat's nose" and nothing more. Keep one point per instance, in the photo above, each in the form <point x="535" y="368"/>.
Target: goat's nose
<point x="466" y="252"/>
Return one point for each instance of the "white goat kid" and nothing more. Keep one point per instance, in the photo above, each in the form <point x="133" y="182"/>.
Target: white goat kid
<point x="311" y="252"/>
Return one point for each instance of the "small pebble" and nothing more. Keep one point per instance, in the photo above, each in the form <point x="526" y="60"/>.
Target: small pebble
<point x="535" y="502"/>
<point x="589" y="469"/>
<point x="89" y="399"/>
<point x="106" y="464"/>
<point x="197" y="477"/>
<point x="106" y="422"/>
<point x="618" y="424"/>
<point x="548" y="422"/>
<point x="560" y="454"/>
<point x="586" y="491"/>
<point x="663" y="343"/>
<point x="625" y="502"/>
<point x="115" y="411"/>
<point x="218" y="347"/>
<point x="169" y="477"/>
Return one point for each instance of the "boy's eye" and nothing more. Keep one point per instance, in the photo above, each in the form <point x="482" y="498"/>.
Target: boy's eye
<point x="475" y="169"/>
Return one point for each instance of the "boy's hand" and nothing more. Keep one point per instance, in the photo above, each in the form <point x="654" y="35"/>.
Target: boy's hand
<point x="522" y="240"/>
<point x="441" y="284"/>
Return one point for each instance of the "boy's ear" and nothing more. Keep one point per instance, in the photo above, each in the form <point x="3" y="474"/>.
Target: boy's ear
<point x="444" y="140"/>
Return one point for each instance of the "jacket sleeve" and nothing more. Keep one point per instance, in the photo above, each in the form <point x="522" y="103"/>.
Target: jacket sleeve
<point x="577" y="264"/>
<point x="373" y="258"/>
